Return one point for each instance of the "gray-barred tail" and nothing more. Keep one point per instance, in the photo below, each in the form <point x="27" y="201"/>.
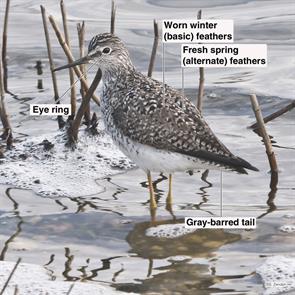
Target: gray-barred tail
<point x="232" y="163"/>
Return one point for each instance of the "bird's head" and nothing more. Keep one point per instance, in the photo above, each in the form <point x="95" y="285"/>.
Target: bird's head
<point x="107" y="51"/>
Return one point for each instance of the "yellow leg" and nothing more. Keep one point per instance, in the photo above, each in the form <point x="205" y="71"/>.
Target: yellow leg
<point x="169" y="198"/>
<point x="153" y="203"/>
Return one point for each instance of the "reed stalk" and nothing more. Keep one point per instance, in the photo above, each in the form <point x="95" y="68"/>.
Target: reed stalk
<point x="263" y="133"/>
<point x="81" y="38"/>
<point x="113" y="17"/>
<point x="4" y="47"/>
<point x="51" y="64"/>
<point x="71" y="71"/>
<point x="70" y="57"/>
<point x="154" y="50"/>
<point x="10" y="276"/>
<point x="7" y="134"/>
<point x="201" y="79"/>
<point x="276" y="114"/>
<point x="74" y="128"/>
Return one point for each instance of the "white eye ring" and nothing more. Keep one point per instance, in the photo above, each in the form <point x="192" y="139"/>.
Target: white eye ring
<point x="107" y="50"/>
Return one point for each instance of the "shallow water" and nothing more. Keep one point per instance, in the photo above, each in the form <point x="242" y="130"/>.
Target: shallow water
<point x="101" y="238"/>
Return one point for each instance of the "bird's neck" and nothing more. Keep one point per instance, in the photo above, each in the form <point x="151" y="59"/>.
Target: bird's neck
<point x="115" y="80"/>
<point x="116" y="72"/>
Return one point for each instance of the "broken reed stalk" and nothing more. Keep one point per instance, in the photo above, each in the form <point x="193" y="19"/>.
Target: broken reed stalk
<point x="70" y="57"/>
<point x="39" y="69"/>
<point x="4" y="47"/>
<point x="71" y="71"/>
<point x="51" y="65"/>
<point x="16" y="290"/>
<point x="74" y="128"/>
<point x="201" y="91"/>
<point x="10" y="276"/>
<point x="154" y="50"/>
<point x="263" y="134"/>
<point x="7" y="134"/>
<point x="201" y="78"/>
<point x="70" y="289"/>
<point x="276" y="114"/>
<point x="81" y="38"/>
<point x="113" y="17"/>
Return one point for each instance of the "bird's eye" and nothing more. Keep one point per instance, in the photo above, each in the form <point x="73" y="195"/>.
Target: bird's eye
<point x="106" y="50"/>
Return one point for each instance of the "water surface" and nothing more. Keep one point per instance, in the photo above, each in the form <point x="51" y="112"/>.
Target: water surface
<point x="101" y="238"/>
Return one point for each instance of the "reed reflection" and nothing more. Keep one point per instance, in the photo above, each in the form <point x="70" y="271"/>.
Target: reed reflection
<point x="19" y="224"/>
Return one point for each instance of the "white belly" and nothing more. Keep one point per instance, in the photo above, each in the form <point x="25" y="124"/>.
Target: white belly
<point x="155" y="160"/>
<point x="149" y="158"/>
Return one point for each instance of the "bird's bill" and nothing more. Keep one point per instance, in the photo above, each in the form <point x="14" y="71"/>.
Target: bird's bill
<point x="80" y="61"/>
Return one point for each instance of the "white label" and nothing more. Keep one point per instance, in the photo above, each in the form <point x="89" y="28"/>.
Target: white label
<point x="50" y="109"/>
<point x="224" y="55"/>
<point x="221" y="222"/>
<point x="194" y="30"/>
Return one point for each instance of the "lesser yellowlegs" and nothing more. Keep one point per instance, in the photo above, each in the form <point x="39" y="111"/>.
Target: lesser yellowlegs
<point x="155" y="125"/>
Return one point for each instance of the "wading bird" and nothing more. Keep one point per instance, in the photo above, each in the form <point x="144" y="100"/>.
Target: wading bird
<point x="155" y="125"/>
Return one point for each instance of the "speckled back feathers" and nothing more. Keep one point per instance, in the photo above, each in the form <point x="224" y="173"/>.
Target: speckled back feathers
<point x="139" y="108"/>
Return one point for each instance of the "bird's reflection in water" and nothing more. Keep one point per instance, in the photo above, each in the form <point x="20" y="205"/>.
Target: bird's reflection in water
<point x="177" y="278"/>
<point x="197" y="277"/>
<point x="200" y="243"/>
